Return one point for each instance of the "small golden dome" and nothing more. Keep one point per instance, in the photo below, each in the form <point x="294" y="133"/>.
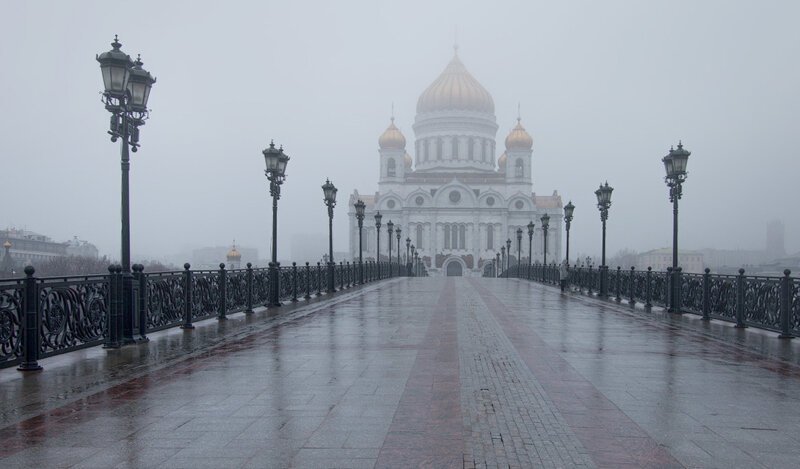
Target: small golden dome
<point x="234" y="253"/>
<point x="501" y="162"/>
<point x="7" y="244"/>
<point x="455" y="89"/>
<point x="518" y="138"/>
<point x="392" y="138"/>
<point x="408" y="160"/>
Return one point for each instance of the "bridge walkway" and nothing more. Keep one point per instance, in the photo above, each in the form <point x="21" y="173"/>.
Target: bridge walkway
<point x="430" y="372"/>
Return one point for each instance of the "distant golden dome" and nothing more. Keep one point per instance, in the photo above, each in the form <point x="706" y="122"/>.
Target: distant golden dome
<point x="234" y="254"/>
<point x="407" y="160"/>
<point x="501" y="162"/>
<point x="392" y="138"/>
<point x="455" y="89"/>
<point x="7" y="244"/>
<point x="518" y="138"/>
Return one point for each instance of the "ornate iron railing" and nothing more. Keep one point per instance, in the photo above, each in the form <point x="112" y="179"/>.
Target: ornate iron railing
<point x="40" y="317"/>
<point x="72" y="312"/>
<point x="771" y="303"/>
<point x="12" y="310"/>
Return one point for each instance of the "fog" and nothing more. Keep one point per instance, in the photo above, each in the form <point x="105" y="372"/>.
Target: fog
<point x="604" y="88"/>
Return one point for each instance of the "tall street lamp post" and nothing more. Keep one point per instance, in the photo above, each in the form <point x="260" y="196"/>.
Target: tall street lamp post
<point x="519" y="249"/>
<point x="603" y="194"/>
<point x="397" y="233"/>
<point x="531" y="226"/>
<point x="378" y="218"/>
<point x="568" y="209"/>
<point x="497" y="265"/>
<point x="390" y="232"/>
<point x="675" y="166"/>
<point x="360" y="206"/>
<point x="408" y="258"/>
<point x="508" y="253"/>
<point x="329" y="191"/>
<point x="545" y="227"/>
<point x="127" y="90"/>
<point x="276" y="161"/>
<point x="411" y="261"/>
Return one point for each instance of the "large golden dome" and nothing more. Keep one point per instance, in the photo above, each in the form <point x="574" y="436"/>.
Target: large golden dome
<point x="455" y="89"/>
<point x="392" y="138"/>
<point x="519" y="138"/>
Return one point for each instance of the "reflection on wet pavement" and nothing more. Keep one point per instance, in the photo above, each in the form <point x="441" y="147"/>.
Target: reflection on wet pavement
<point x="431" y="372"/>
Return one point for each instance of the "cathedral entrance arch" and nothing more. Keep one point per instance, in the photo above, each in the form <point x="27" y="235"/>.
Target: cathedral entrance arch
<point x="454" y="268"/>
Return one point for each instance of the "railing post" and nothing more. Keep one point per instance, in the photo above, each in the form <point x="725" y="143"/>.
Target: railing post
<point x="669" y="298"/>
<point x="676" y="302"/>
<point x="308" y="281"/>
<point x="294" y="282"/>
<point x="786" y="305"/>
<point x="591" y="280"/>
<point x="222" y="311"/>
<point x="706" y="294"/>
<point x="249" y="309"/>
<point x="618" y="282"/>
<point x="187" y="308"/>
<point x="114" y="319"/>
<point x="631" y="289"/>
<point x="740" y="300"/>
<point x="142" y="306"/>
<point x="319" y="279"/>
<point x="347" y="275"/>
<point x="648" y="295"/>
<point x="30" y="337"/>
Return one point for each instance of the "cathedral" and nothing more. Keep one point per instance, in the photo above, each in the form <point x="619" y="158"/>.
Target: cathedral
<point x="454" y="199"/>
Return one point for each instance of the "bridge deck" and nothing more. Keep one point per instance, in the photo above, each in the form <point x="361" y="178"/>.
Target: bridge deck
<point x="428" y="372"/>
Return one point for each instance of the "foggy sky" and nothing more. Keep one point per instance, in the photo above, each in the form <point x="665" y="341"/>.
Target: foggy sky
<point x="605" y="88"/>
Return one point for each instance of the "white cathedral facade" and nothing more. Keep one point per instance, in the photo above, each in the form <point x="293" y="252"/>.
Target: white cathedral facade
<point x="456" y="202"/>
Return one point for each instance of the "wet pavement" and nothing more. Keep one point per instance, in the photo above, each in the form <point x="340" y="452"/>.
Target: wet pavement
<point x="425" y="372"/>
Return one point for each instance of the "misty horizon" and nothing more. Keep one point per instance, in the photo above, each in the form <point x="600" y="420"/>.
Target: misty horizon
<point x="604" y="90"/>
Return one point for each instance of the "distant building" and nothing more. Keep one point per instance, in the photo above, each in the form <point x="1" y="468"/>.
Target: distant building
<point x="81" y="248"/>
<point x="730" y="260"/>
<point x="661" y="259"/>
<point x="28" y="247"/>
<point x="455" y="198"/>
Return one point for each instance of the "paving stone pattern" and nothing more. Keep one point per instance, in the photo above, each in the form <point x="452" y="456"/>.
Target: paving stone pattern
<point x="512" y="421"/>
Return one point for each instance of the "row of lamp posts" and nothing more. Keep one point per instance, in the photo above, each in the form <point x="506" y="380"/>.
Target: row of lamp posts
<point x="675" y="163"/>
<point x="127" y="87"/>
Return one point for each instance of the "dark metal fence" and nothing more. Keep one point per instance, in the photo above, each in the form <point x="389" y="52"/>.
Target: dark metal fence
<point x="771" y="303"/>
<point x="41" y="317"/>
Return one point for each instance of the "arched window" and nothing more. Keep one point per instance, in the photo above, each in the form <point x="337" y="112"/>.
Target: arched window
<point x="462" y="235"/>
<point x="490" y="237"/>
<point x="519" y="167"/>
<point x="419" y="237"/>
<point x="391" y="169"/>
<point x="455" y="148"/>
<point x="454" y="237"/>
<point x="471" y="149"/>
<point x="447" y="236"/>
<point x="439" y="152"/>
